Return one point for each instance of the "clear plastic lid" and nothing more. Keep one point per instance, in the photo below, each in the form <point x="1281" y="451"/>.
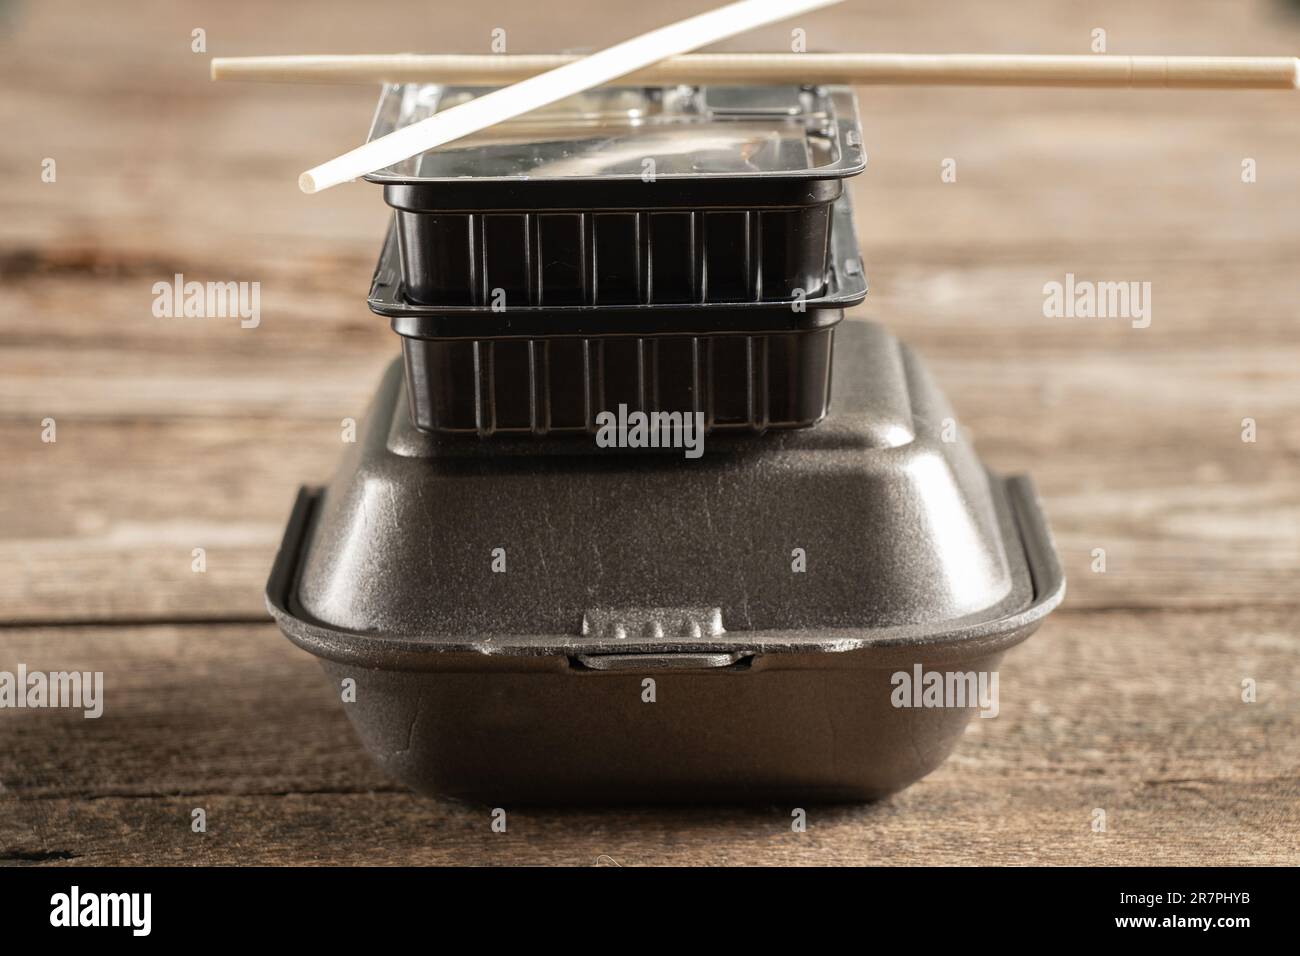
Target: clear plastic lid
<point x="627" y="132"/>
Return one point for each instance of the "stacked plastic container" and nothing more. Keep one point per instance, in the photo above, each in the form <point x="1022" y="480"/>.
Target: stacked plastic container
<point x="525" y="615"/>
<point x="667" y="249"/>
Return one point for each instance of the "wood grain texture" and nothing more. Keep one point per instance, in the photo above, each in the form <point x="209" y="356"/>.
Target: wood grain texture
<point x="176" y="434"/>
<point x="1136" y="713"/>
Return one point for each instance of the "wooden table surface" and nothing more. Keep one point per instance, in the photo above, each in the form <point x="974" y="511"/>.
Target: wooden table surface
<point x="175" y="434"/>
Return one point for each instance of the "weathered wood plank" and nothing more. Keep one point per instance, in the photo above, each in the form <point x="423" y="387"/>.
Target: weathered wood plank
<point x="101" y="525"/>
<point x="1137" y="713"/>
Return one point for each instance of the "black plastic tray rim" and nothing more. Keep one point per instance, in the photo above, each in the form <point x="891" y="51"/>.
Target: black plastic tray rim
<point x="845" y="286"/>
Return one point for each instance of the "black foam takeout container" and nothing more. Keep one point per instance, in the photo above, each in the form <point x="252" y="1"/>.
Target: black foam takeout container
<point x="548" y="371"/>
<point x="539" y="621"/>
<point x="623" y="196"/>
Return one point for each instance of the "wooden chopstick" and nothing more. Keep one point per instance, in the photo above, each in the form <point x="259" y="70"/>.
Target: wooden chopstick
<point x="922" y="69"/>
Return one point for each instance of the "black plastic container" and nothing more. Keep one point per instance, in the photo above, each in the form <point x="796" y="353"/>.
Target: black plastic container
<point x="555" y="386"/>
<point x="550" y="370"/>
<point x="624" y="196"/>
<point x="550" y="621"/>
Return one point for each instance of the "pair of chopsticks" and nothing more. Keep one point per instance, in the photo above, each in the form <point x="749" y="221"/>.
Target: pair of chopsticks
<point x="655" y="58"/>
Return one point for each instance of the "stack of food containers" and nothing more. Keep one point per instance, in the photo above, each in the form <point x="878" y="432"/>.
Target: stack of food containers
<point x="667" y="249"/>
<point x="517" y="612"/>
